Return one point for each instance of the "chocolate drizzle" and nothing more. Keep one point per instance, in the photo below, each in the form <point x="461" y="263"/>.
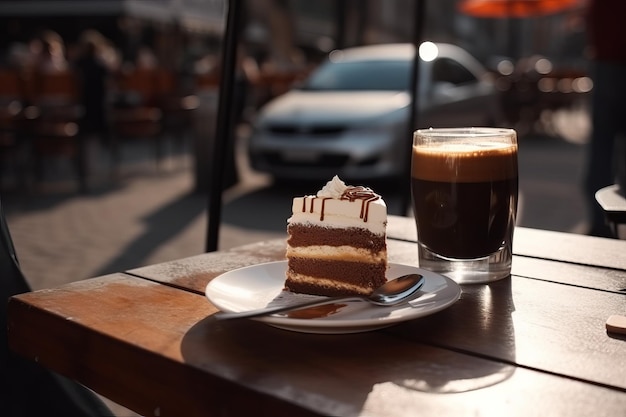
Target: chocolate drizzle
<point x="366" y="195"/>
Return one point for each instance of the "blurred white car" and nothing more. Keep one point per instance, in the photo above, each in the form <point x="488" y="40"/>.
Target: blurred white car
<point x="350" y="117"/>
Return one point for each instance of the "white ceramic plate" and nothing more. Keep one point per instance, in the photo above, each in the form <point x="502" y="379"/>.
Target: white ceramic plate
<point x="261" y="285"/>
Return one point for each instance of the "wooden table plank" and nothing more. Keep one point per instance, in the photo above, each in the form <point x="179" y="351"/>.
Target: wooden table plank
<point x="535" y="324"/>
<point x="544" y="244"/>
<point x="570" y="247"/>
<point x="195" y="272"/>
<point x="155" y="349"/>
<point x="605" y="279"/>
<point x="122" y="336"/>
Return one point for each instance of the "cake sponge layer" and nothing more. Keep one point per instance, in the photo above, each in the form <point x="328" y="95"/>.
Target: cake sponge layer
<point x="301" y="235"/>
<point x="334" y="277"/>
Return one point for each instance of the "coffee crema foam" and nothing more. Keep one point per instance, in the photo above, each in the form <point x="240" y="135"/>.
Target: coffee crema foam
<point x="475" y="162"/>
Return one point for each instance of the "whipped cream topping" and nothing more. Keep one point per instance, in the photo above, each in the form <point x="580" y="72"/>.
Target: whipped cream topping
<point x="333" y="188"/>
<point x="339" y="205"/>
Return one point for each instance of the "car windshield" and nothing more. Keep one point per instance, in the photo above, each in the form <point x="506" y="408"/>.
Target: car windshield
<point x="362" y="75"/>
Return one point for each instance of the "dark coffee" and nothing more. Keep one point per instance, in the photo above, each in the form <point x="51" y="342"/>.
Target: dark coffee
<point x="472" y="216"/>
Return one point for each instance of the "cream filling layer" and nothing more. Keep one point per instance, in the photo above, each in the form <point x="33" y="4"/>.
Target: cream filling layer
<point x="343" y="253"/>
<point x="318" y="282"/>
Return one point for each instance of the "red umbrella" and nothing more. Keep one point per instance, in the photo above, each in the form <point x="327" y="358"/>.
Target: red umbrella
<point x="515" y="8"/>
<point x="514" y="11"/>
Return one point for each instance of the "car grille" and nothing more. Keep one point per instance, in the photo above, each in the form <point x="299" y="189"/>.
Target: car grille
<point x="329" y="161"/>
<point x="290" y="130"/>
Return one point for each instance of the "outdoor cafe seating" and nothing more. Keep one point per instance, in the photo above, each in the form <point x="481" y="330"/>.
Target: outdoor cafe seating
<point x="534" y="343"/>
<point x="41" y="118"/>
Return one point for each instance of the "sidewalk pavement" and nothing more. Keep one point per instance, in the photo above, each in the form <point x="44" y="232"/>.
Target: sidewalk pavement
<point x="149" y="217"/>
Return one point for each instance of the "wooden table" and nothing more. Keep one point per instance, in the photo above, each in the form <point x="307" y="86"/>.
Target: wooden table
<point x="534" y="344"/>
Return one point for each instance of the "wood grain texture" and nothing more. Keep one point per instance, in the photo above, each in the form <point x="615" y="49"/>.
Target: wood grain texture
<point x="507" y="320"/>
<point x="531" y="323"/>
<point x="195" y="272"/>
<point x="156" y="350"/>
<point x="534" y="344"/>
<point x="123" y="337"/>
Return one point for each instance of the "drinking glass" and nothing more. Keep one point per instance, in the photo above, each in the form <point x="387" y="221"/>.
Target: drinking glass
<point x="464" y="184"/>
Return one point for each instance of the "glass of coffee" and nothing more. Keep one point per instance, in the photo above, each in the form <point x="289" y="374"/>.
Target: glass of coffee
<point x="464" y="185"/>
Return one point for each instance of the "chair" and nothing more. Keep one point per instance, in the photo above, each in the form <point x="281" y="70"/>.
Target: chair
<point x="612" y="198"/>
<point x="11" y="106"/>
<point x="178" y="107"/>
<point x="52" y="120"/>
<point x="135" y="114"/>
<point x="30" y="389"/>
<point x="613" y="202"/>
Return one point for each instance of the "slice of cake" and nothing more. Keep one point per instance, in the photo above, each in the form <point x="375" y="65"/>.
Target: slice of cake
<point x="337" y="241"/>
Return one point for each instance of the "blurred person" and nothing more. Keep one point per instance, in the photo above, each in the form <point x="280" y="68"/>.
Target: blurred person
<point x="246" y="76"/>
<point x="606" y="33"/>
<point x="107" y="53"/>
<point x="146" y="59"/>
<point x="25" y="55"/>
<point x="52" y="58"/>
<point x="18" y="55"/>
<point x="93" y="66"/>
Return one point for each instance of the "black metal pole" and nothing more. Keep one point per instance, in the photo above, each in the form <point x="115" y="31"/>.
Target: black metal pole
<point x="340" y="23"/>
<point x="225" y="121"/>
<point x="418" y="28"/>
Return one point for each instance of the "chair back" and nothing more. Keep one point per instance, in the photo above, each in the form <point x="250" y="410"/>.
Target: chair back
<point x="12" y="281"/>
<point x="29" y="389"/>
<point x="11" y="105"/>
<point x="136" y="87"/>
<point x="11" y="87"/>
<point x="620" y="163"/>
<point x="57" y="88"/>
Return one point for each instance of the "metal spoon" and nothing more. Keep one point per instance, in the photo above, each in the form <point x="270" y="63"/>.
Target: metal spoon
<point x="391" y="293"/>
